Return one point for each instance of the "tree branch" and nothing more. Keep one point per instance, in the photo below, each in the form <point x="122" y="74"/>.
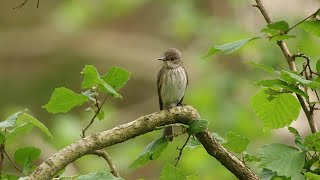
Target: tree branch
<point x="292" y="66"/>
<point x="133" y="129"/>
<point x="106" y="157"/>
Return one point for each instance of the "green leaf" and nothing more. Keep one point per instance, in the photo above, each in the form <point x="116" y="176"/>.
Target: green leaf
<point x="312" y="141"/>
<point x="100" y="114"/>
<point x="211" y="52"/>
<point x="281" y="84"/>
<point x="312" y="27"/>
<point x="282" y="37"/>
<point x="25" y="156"/>
<point x="282" y="159"/>
<point x="233" y="46"/>
<point x="266" y="174"/>
<point x="318" y="66"/>
<point x="193" y="143"/>
<point x="11" y="120"/>
<point x="263" y="67"/>
<point x="2" y="138"/>
<point x="236" y="142"/>
<point x="20" y="130"/>
<point x="170" y="172"/>
<point x="270" y="32"/>
<point x="92" y="78"/>
<point x="311" y="176"/>
<point x="272" y="83"/>
<point x="116" y="77"/>
<point x="151" y="152"/>
<point x="197" y="126"/>
<point x="279" y="112"/>
<point x="251" y="158"/>
<point x="38" y="124"/>
<point x="98" y="176"/>
<point x="63" y="100"/>
<point x="298" y="139"/>
<point x="22" y="153"/>
<point x="280" y="25"/>
<point x="293" y="78"/>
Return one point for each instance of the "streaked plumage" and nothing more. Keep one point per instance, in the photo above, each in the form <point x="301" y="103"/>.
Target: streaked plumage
<point x="172" y="82"/>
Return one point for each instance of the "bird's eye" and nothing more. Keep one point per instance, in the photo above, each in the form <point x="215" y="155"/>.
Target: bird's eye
<point x="172" y="59"/>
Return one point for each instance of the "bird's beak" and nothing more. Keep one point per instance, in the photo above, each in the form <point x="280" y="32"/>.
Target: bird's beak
<point x="161" y="59"/>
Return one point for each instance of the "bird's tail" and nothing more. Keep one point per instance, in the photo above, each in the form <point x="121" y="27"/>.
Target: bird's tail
<point x="168" y="132"/>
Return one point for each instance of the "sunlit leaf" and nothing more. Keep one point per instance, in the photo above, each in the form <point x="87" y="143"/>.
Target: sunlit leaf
<point x="311" y="26"/>
<point x="282" y="37"/>
<point x="63" y="100"/>
<point x="280" y="25"/>
<point x="278" y="112"/>
<point x="236" y="142"/>
<point x="151" y="152"/>
<point x="312" y="142"/>
<point x="116" y="77"/>
<point x="282" y="159"/>
<point x="38" y="124"/>
<point x="311" y="176"/>
<point x="211" y="52"/>
<point x="170" y="172"/>
<point x="18" y="131"/>
<point x="92" y="78"/>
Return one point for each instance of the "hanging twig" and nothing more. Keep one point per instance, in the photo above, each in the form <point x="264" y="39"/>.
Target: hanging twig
<point x="106" y="157"/>
<point x="181" y="149"/>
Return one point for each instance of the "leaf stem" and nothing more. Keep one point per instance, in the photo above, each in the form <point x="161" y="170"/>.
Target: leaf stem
<point x="14" y="164"/>
<point x="181" y="149"/>
<point x="95" y="115"/>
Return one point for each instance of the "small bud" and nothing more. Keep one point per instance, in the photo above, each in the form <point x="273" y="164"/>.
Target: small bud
<point x="94" y="88"/>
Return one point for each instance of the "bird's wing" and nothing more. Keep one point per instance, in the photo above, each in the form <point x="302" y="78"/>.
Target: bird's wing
<point x="159" y="83"/>
<point x="180" y="102"/>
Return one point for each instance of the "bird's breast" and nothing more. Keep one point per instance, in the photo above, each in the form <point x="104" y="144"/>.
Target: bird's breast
<point x="173" y="86"/>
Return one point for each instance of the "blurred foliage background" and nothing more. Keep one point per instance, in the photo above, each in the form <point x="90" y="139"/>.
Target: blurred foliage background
<point x="44" y="48"/>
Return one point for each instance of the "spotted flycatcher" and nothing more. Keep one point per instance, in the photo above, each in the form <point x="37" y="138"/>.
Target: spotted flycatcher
<point x="172" y="83"/>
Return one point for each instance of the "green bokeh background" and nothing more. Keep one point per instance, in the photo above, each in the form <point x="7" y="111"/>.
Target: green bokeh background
<point x="44" y="48"/>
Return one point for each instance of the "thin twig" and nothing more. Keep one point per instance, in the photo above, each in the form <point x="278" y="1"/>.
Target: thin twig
<point x="292" y="67"/>
<point x="312" y="15"/>
<point x="95" y="115"/>
<point x="14" y="164"/>
<point x="24" y="3"/>
<point x="106" y="157"/>
<point x="21" y="5"/>
<point x="181" y="149"/>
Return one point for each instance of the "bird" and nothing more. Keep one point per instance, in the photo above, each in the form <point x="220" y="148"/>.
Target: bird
<point x="172" y="82"/>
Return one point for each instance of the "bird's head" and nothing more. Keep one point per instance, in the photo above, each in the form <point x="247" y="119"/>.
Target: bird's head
<point x="171" y="58"/>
